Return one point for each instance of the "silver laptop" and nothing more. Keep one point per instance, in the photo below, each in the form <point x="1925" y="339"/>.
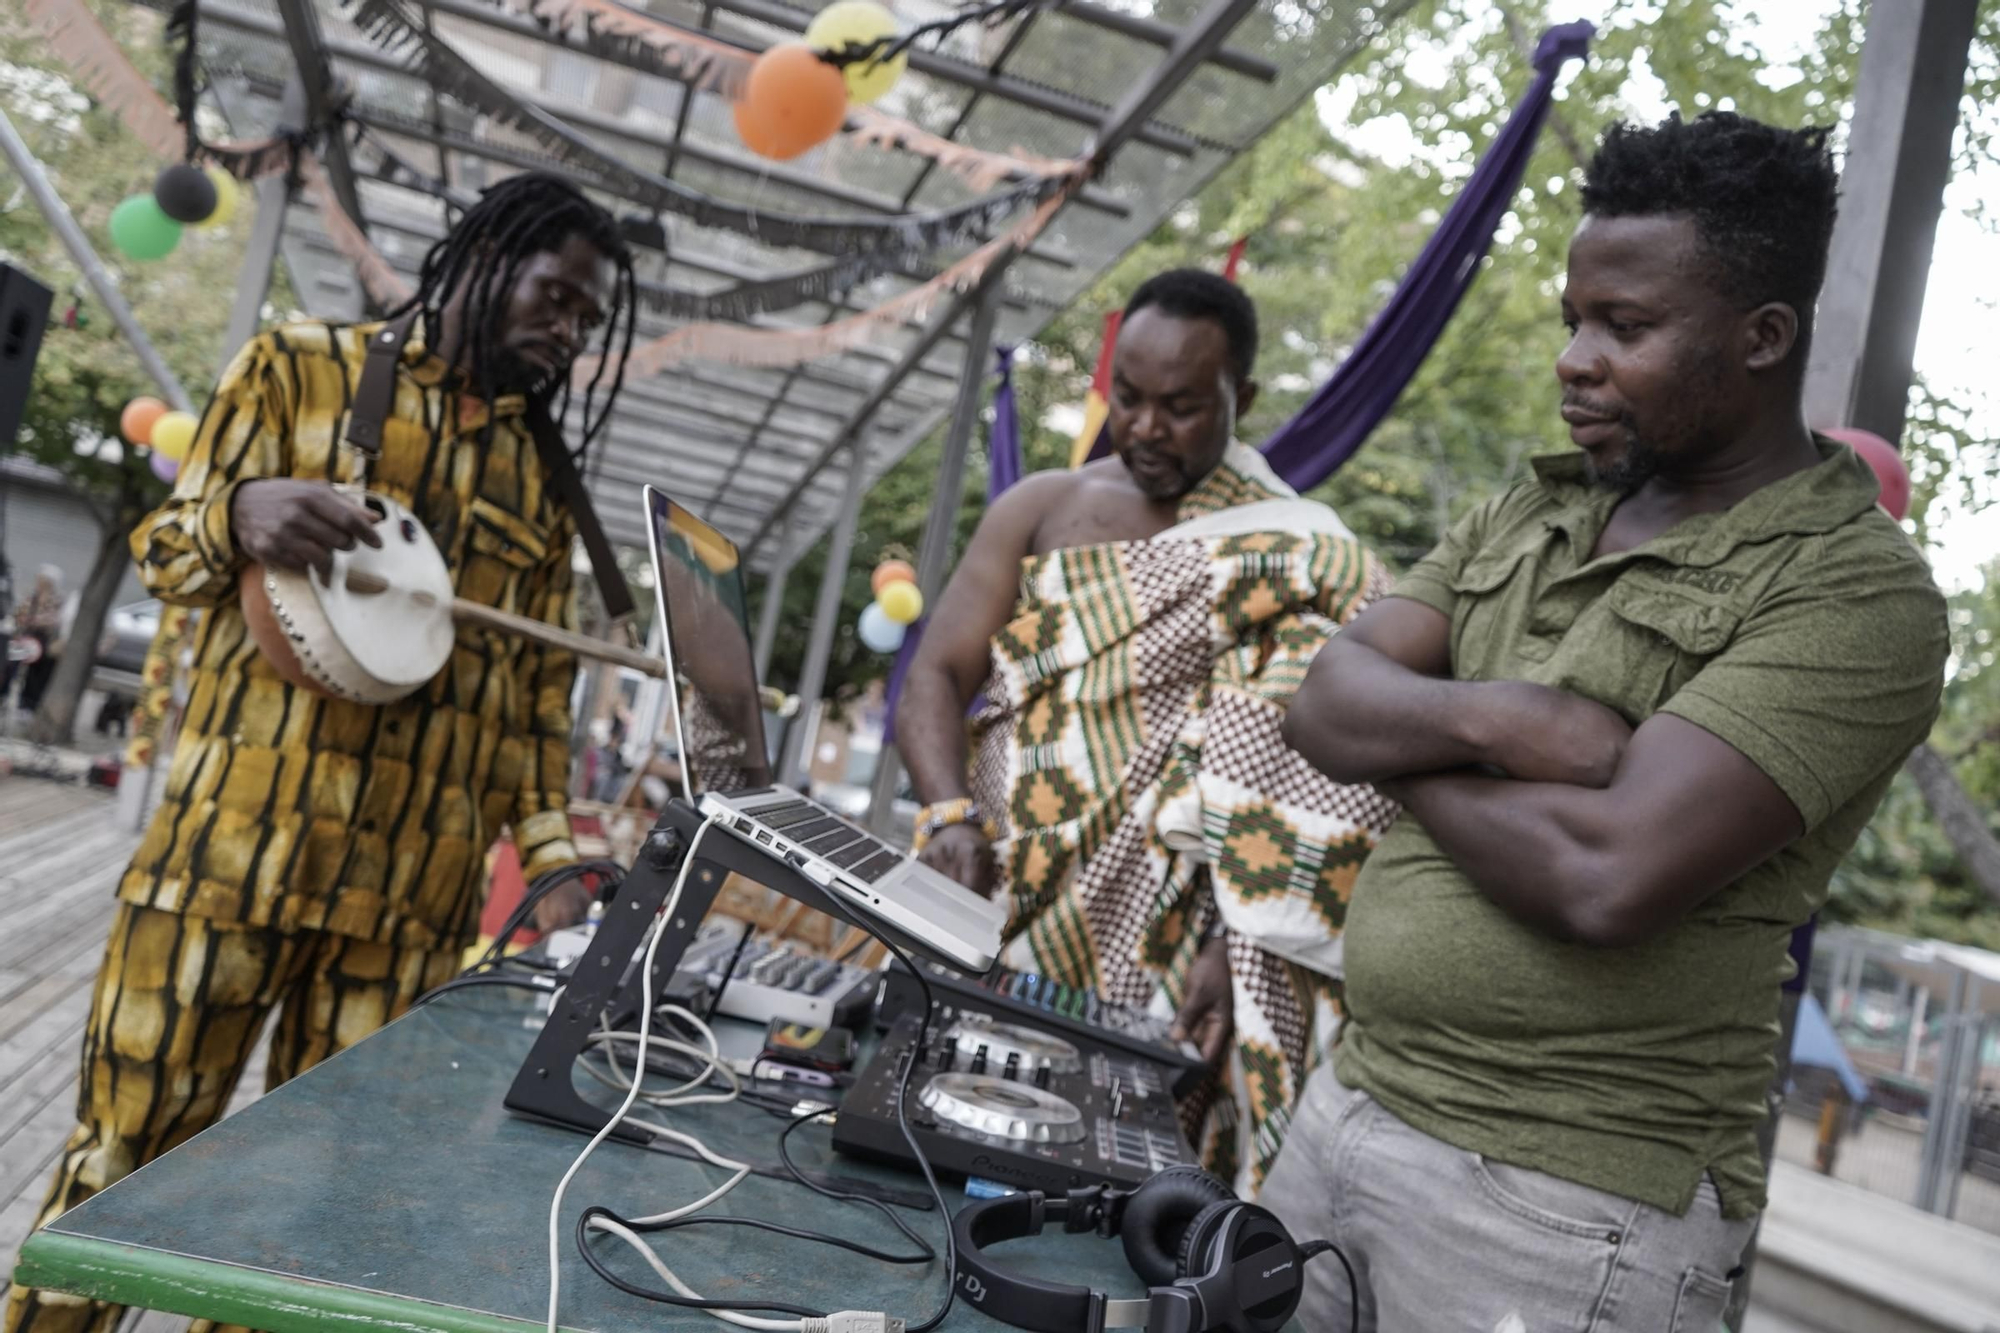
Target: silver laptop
<point x="726" y="766"/>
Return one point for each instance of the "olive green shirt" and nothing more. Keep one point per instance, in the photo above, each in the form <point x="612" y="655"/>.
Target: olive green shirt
<point x="1801" y="627"/>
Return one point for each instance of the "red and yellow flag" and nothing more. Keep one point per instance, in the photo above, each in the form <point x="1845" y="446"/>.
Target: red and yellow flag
<point x="1097" y="403"/>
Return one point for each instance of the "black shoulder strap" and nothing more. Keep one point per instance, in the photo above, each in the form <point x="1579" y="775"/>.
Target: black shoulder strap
<point x="376" y="393"/>
<point x="560" y="473"/>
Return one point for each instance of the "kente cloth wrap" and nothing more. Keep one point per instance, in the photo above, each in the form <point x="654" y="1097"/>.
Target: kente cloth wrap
<point x="1130" y="748"/>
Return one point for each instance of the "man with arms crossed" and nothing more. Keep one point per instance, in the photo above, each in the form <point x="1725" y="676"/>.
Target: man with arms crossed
<point x="1637" y="709"/>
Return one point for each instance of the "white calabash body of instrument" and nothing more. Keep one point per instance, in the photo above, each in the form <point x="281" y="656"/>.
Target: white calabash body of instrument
<point x="375" y="632"/>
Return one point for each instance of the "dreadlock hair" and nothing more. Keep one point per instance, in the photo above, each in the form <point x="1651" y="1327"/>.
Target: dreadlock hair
<point x="1761" y="198"/>
<point x="1192" y="293"/>
<point x="513" y="221"/>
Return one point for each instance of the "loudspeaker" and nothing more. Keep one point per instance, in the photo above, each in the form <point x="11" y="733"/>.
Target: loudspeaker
<point x="24" y="313"/>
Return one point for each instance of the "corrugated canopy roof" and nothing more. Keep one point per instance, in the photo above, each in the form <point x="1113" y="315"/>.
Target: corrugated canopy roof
<point x="1173" y="90"/>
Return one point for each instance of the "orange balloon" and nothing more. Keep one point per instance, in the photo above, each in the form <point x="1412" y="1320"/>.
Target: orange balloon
<point x="792" y="101"/>
<point x="135" y="423"/>
<point x="754" y="132"/>
<point x="891" y="571"/>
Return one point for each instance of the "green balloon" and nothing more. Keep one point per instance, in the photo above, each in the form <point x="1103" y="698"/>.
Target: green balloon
<point x="141" y="230"/>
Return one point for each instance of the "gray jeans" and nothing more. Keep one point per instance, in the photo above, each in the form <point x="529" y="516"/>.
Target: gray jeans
<point x="1448" y="1241"/>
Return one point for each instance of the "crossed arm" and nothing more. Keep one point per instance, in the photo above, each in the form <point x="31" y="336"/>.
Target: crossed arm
<point x="1557" y="810"/>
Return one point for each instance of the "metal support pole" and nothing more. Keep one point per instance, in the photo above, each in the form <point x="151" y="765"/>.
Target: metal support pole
<point x="1906" y="109"/>
<point x="274" y="196"/>
<point x="826" y="616"/>
<point x="941" y="524"/>
<point x="1944" y="1101"/>
<point x="1914" y="1044"/>
<point x="52" y="208"/>
<point x="1964" y="1088"/>
<point x="774" y="603"/>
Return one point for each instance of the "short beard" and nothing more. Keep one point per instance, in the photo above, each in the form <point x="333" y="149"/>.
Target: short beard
<point x="517" y="374"/>
<point x="1636" y="466"/>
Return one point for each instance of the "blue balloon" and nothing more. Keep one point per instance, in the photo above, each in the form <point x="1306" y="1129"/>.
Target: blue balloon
<point x="880" y="633"/>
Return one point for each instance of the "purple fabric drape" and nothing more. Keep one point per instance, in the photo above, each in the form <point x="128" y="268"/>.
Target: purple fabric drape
<point x="1003" y="446"/>
<point x="1329" y="429"/>
<point x="1003" y="469"/>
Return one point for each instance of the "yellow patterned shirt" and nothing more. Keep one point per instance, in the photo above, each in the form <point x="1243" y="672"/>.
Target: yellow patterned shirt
<point x="289" y="810"/>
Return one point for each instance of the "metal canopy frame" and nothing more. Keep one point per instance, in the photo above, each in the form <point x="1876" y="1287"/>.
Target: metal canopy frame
<point x="759" y="449"/>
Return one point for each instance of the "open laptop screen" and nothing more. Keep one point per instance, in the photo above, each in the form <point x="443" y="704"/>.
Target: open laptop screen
<point x="717" y="710"/>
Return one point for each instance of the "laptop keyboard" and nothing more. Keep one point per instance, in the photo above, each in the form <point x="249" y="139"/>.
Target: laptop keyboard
<point x="807" y="825"/>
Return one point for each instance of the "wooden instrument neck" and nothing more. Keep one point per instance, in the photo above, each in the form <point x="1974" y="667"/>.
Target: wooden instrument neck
<point x="487" y="617"/>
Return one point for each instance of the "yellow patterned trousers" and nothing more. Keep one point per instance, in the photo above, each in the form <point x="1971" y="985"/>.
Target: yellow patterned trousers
<point x="176" y="1012"/>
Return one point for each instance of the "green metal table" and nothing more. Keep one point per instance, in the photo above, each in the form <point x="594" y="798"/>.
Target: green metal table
<point x="389" y="1187"/>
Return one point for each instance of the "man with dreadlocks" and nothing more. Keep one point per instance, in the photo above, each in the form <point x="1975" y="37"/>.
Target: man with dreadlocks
<point x="1637" y="709"/>
<point x="314" y="856"/>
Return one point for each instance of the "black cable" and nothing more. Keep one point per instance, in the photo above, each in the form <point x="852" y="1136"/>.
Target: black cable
<point x="882" y="50"/>
<point x="1318" y="1247"/>
<point x="667" y="1297"/>
<point x="831" y="897"/>
<point x="817" y="1237"/>
<point x="481" y="979"/>
<point x="543" y="885"/>
<point x="523" y="961"/>
<point x="843" y="1196"/>
<point x="729" y="972"/>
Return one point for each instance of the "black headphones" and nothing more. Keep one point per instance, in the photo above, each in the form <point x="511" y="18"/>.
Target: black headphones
<point x="1212" y="1261"/>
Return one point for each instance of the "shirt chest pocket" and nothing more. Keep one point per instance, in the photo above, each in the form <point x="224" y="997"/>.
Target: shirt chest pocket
<point x="1649" y="643"/>
<point x="501" y="552"/>
<point x="1493" y="596"/>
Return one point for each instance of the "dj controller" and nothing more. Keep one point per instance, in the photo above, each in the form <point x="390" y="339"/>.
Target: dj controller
<point x="1021" y="1106"/>
<point x="1047" y="1005"/>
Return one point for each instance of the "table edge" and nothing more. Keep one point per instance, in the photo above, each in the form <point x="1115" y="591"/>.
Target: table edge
<point x="152" y="1279"/>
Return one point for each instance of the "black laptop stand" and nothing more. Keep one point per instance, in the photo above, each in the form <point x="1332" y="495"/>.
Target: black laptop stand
<point x="606" y="978"/>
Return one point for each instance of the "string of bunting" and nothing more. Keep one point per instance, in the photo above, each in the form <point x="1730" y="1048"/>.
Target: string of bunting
<point x="604" y="27"/>
<point x="732" y="344"/>
<point x="742" y="302"/>
<point x="390" y="25"/>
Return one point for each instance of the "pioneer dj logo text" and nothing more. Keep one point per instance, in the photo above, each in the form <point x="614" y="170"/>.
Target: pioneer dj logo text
<point x="992" y="1166"/>
<point x="975" y="1290"/>
<point x="1273" y="1272"/>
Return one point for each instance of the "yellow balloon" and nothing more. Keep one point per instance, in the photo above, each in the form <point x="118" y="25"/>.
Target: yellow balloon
<point x="900" y="601"/>
<point x="858" y="22"/>
<point x="225" y="198"/>
<point x="173" y="434"/>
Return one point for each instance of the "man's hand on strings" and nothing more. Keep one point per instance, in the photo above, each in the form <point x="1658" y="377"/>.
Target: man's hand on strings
<point x="297" y="525"/>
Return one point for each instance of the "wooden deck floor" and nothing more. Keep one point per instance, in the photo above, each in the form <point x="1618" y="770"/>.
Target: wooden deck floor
<point x="59" y="858"/>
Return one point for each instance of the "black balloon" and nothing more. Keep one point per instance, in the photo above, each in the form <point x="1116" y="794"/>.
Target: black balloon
<point x="184" y="193"/>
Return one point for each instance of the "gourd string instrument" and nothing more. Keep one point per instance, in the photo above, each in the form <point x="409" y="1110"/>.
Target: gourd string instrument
<point x="382" y="625"/>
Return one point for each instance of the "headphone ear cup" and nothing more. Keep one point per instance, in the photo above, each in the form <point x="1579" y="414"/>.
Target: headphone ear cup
<point x="1157" y="1217"/>
<point x="1199" y="1232"/>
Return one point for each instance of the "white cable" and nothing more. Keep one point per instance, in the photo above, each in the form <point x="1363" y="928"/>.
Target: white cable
<point x="709" y="1155"/>
<point x="660" y="928"/>
<point x="684" y="1095"/>
<point x="680" y="1096"/>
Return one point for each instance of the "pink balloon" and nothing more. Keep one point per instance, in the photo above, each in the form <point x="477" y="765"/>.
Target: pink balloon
<point x="166" y="469"/>
<point x="1887" y="463"/>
